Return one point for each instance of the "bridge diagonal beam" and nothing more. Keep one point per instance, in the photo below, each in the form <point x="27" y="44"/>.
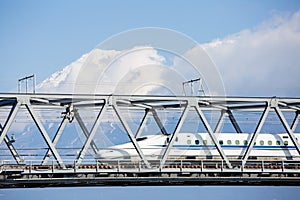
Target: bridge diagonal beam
<point x="85" y="130"/>
<point x="158" y="122"/>
<point x="289" y="131"/>
<point x="212" y="136"/>
<point x="256" y="132"/>
<point x="44" y="134"/>
<point x="142" y="124"/>
<point x="234" y="122"/>
<point x="174" y="135"/>
<point x="55" y="139"/>
<point x="11" y="117"/>
<point x="295" y="121"/>
<point x="220" y="122"/>
<point x="129" y="133"/>
<point x="7" y="102"/>
<point x="11" y="148"/>
<point x="91" y="135"/>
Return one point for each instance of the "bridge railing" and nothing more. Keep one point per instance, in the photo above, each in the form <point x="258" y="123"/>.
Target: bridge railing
<point x="176" y="166"/>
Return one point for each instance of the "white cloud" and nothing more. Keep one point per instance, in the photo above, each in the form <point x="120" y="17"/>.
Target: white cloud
<point x="102" y="71"/>
<point x="264" y="62"/>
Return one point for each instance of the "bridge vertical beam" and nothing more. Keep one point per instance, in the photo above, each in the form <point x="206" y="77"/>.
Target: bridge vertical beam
<point x="287" y="128"/>
<point x="11" y="148"/>
<point x="143" y="123"/>
<point x="44" y="134"/>
<point x="11" y="117"/>
<point x="256" y="132"/>
<point x="55" y="139"/>
<point x="220" y="121"/>
<point x="174" y="135"/>
<point x="158" y="122"/>
<point x="91" y="134"/>
<point x="295" y="121"/>
<point x="84" y="129"/>
<point x="234" y="122"/>
<point x="129" y="133"/>
<point x="211" y="134"/>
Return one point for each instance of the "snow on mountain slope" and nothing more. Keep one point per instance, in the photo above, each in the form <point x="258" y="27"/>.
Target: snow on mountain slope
<point x="99" y="71"/>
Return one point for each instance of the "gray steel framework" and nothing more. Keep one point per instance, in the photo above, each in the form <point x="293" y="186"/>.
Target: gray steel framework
<point x="226" y="106"/>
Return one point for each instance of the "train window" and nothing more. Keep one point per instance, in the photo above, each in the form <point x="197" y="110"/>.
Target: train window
<point x="197" y="142"/>
<point x="278" y="142"/>
<point x="237" y="142"/>
<point x="188" y="141"/>
<point x="286" y="143"/>
<point x="205" y="142"/>
<point x="261" y="142"/>
<point x="245" y="142"/>
<point x="221" y="142"/>
<point x="270" y="142"/>
<point x="228" y="141"/>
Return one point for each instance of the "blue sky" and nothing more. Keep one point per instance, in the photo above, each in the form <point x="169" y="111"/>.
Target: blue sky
<point x="150" y="193"/>
<point x="43" y="36"/>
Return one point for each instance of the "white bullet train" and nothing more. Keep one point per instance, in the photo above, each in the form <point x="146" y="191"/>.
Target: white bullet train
<point x="200" y="145"/>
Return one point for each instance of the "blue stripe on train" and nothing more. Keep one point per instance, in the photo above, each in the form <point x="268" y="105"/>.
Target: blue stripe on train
<point x="230" y="146"/>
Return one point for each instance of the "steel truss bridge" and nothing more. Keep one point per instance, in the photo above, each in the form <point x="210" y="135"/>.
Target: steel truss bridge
<point x="55" y="170"/>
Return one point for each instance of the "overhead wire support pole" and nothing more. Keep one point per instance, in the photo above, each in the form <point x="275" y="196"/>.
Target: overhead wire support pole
<point x="191" y="82"/>
<point x="26" y="78"/>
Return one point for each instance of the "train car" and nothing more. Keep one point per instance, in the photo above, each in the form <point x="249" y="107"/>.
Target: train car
<point x="200" y="146"/>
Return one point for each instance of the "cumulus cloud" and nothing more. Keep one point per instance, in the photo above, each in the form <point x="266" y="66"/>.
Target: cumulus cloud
<point x="106" y="72"/>
<point x="264" y="61"/>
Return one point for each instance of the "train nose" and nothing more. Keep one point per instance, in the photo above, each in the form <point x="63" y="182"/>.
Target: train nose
<point x="109" y="154"/>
